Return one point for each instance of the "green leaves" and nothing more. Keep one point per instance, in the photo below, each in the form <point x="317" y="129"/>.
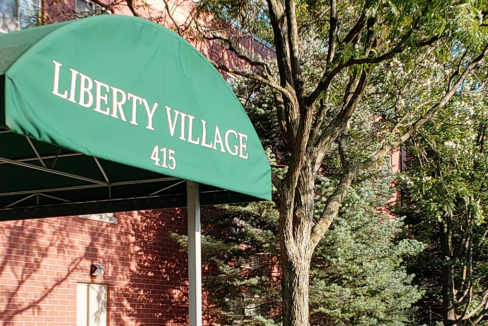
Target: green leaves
<point x="407" y="54"/>
<point x="446" y="181"/>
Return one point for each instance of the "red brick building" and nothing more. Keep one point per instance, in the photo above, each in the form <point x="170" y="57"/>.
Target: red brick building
<point x="47" y="274"/>
<point x="46" y="264"/>
<point x="44" y="261"/>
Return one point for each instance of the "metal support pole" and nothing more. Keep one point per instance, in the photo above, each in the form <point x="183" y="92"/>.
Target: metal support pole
<point x="194" y="254"/>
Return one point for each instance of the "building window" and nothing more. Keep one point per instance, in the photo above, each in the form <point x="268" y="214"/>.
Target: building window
<point x="251" y="306"/>
<point x="91" y="304"/>
<point x="19" y="14"/>
<point x="105" y="217"/>
<point x="87" y="8"/>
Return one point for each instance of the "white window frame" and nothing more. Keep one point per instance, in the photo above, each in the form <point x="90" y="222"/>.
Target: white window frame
<point x="91" y="304"/>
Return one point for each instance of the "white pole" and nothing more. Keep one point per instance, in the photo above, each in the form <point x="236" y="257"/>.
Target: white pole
<point x="194" y="254"/>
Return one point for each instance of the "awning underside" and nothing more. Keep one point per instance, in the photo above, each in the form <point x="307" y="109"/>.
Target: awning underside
<point x="39" y="179"/>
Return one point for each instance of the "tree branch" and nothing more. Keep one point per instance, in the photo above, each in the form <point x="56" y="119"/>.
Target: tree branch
<point x="386" y="148"/>
<point x="372" y="60"/>
<point x="339" y="123"/>
<point x="335" y="200"/>
<point x="319" y="119"/>
<point x="132" y="6"/>
<point x="293" y="40"/>
<point x="170" y="14"/>
<point x="480" y="306"/>
<point x="356" y="29"/>
<point x="317" y="131"/>
<point x="280" y="30"/>
<point x="458" y="68"/>
<point x="232" y="47"/>
<point x="278" y="23"/>
<point x="400" y="122"/>
<point x="255" y="77"/>
<point x="328" y="76"/>
<point x="332" y="32"/>
<point x="332" y="207"/>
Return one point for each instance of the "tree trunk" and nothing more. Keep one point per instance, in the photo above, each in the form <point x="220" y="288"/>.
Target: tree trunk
<point x="448" y="308"/>
<point x="296" y="277"/>
<point x="296" y="221"/>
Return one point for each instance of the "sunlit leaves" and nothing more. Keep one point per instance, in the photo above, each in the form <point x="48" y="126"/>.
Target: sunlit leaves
<point x="447" y="186"/>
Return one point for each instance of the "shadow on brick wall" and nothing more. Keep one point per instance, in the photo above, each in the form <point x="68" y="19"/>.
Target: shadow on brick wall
<point x="28" y="275"/>
<point x="157" y="284"/>
<point x="41" y="261"/>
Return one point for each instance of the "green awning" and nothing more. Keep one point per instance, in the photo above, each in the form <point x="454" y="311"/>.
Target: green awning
<point x="114" y="113"/>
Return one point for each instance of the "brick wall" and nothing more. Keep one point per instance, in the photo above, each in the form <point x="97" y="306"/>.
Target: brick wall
<point x="42" y="260"/>
<point x="181" y="13"/>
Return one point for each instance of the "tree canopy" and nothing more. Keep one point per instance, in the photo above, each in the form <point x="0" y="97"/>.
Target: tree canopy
<point x="354" y="79"/>
<point x="447" y="185"/>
